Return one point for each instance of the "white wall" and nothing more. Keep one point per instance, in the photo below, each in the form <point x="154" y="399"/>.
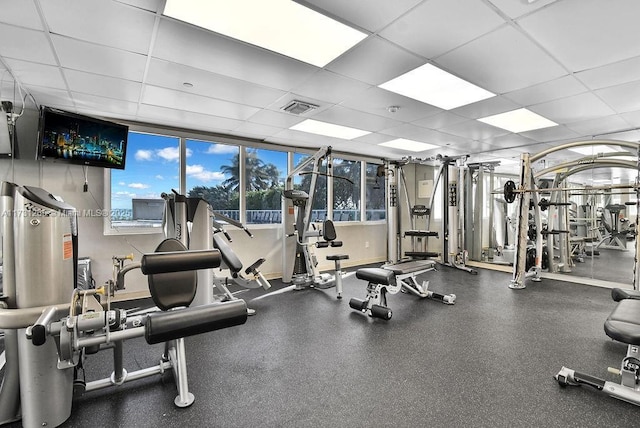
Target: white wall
<point x="363" y="243"/>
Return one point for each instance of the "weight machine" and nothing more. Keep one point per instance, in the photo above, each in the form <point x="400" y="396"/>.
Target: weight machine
<point x="525" y="192"/>
<point x="48" y="337"/>
<point x="298" y="204"/>
<point x="193" y="222"/>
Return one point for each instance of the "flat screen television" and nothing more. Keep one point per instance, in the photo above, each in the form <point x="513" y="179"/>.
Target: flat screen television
<point x="74" y="138"/>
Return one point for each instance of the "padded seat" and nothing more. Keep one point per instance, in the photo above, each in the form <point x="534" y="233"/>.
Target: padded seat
<point x="619" y="294"/>
<point x="623" y="324"/>
<point x="338" y="257"/>
<point x="377" y="276"/>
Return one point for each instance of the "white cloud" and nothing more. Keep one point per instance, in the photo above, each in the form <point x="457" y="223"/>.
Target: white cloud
<point x="198" y="172"/>
<point x="159" y="177"/>
<point x="125" y="195"/>
<point x="139" y="186"/>
<point x="121" y="183"/>
<point x="144" y="155"/>
<point x="220" y="149"/>
<point x="169" y="153"/>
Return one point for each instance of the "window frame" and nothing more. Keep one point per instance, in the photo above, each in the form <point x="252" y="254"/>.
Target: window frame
<point x="244" y="144"/>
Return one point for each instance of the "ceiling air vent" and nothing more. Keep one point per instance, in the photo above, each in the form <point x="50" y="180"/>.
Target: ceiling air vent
<point x="299" y="107"/>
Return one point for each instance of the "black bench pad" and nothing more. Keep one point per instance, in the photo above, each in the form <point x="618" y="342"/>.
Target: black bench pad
<point x="623" y="324"/>
<point x="338" y="257"/>
<point x="618" y="294"/>
<point x="377" y="276"/>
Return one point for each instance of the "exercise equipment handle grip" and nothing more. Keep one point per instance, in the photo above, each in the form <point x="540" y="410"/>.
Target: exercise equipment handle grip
<point x="37" y="332"/>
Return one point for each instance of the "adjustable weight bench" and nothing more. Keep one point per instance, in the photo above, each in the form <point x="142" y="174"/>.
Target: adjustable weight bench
<point x="391" y="279"/>
<point x="622" y="325"/>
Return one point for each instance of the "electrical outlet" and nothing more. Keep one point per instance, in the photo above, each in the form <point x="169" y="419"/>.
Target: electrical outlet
<point x="366" y="244"/>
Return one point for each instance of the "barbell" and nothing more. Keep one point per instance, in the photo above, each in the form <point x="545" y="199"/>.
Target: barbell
<point x="510" y="190"/>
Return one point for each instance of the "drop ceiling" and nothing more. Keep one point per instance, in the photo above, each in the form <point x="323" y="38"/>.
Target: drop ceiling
<point x="575" y="62"/>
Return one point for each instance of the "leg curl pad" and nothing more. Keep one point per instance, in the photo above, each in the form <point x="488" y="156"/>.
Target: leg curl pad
<point x="170" y="325"/>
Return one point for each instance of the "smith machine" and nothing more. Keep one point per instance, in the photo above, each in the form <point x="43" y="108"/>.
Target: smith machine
<point x="526" y="195"/>
<point x="48" y="336"/>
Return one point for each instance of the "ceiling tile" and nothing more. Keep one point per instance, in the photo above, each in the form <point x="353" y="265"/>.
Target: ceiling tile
<point x="22" y="13"/>
<point x="438" y="26"/>
<point x="547" y="91"/>
<point x="347" y="117"/>
<point x="98" y="59"/>
<point x="256" y="130"/>
<point x="51" y="97"/>
<point x="273" y="118"/>
<point x="573" y="109"/>
<point x="509" y="141"/>
<point x="622" y="98"/>
<point x="151" y="5"/>
<point x="306" y="137"/>
<point x="484" y="108"/>
<point x="514" y="9"/>
<point x="633" y="135"/>
<point x="611" y="74"/>
<point x="424" y="135"/>
<point x="118" y="26"/>
<point x="374" y="61"/>
<point x="371" y="15"/>
<point x="584" y="34"/>
<point x="28" y="45"/>
<point x="157" y="96"/>
<point x="331" y="87"/>
<point x="185" y="44"/>
<point x="31" y="73"/>
<point x="377" y="101"/>
<point x="91" y="102"/>
<point x="374" y="138"/>
<point x="474" y="130"/>
<point x="553" y="133"/>
<point x="108" y="87"/>
<point x="598" y="126"/>
<point x="188" y="119"/>
<point x="172" y="76"/>
<point x="502" y="61"/>
<point x="440" y="120"/>
<point x="632" y="117"/>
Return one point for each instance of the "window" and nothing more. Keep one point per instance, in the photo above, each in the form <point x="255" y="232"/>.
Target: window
<point x="152" y="168"/>
<point x="375" y="193"/>
<point x="346" y="190"/>
<point x="303" y="182"/>
<point x="213" y="174"/>
<point x="266" y="171"/>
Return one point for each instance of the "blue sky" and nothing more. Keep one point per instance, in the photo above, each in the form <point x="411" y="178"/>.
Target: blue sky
<point x="152" y="166"/>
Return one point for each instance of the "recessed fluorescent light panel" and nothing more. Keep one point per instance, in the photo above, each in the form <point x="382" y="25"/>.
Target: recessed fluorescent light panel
<point x="595" y="149"/>
<point x="329" y="129"/>
<point x="282" y="26"/>
<point x="434" y="86"/>
<point x="520" y="120"/>
<point x="408" y="145"/>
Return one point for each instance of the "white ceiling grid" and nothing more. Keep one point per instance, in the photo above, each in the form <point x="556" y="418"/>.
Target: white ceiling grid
<point x="576" y="62"/>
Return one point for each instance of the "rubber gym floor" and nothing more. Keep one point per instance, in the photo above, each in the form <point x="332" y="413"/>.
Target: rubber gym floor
<point x="307" y="360"/>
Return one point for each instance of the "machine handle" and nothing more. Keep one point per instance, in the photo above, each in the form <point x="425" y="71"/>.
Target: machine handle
<point x="37" y="332"/>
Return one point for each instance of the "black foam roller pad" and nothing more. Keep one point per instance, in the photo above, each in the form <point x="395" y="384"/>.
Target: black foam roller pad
<point x="165" y="326"/>
<point x="179" y="261"/>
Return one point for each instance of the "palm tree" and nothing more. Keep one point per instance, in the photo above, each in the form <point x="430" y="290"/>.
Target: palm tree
<point x="260" y="176"/>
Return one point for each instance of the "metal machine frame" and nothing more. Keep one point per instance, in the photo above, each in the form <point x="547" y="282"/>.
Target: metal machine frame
<point x="301" y="267"/>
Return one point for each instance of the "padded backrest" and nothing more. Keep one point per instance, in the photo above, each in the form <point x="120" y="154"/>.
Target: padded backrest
<point x="229" y="257"/>
<point x="173" y="289"/>
<point x="328" y="231"/>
